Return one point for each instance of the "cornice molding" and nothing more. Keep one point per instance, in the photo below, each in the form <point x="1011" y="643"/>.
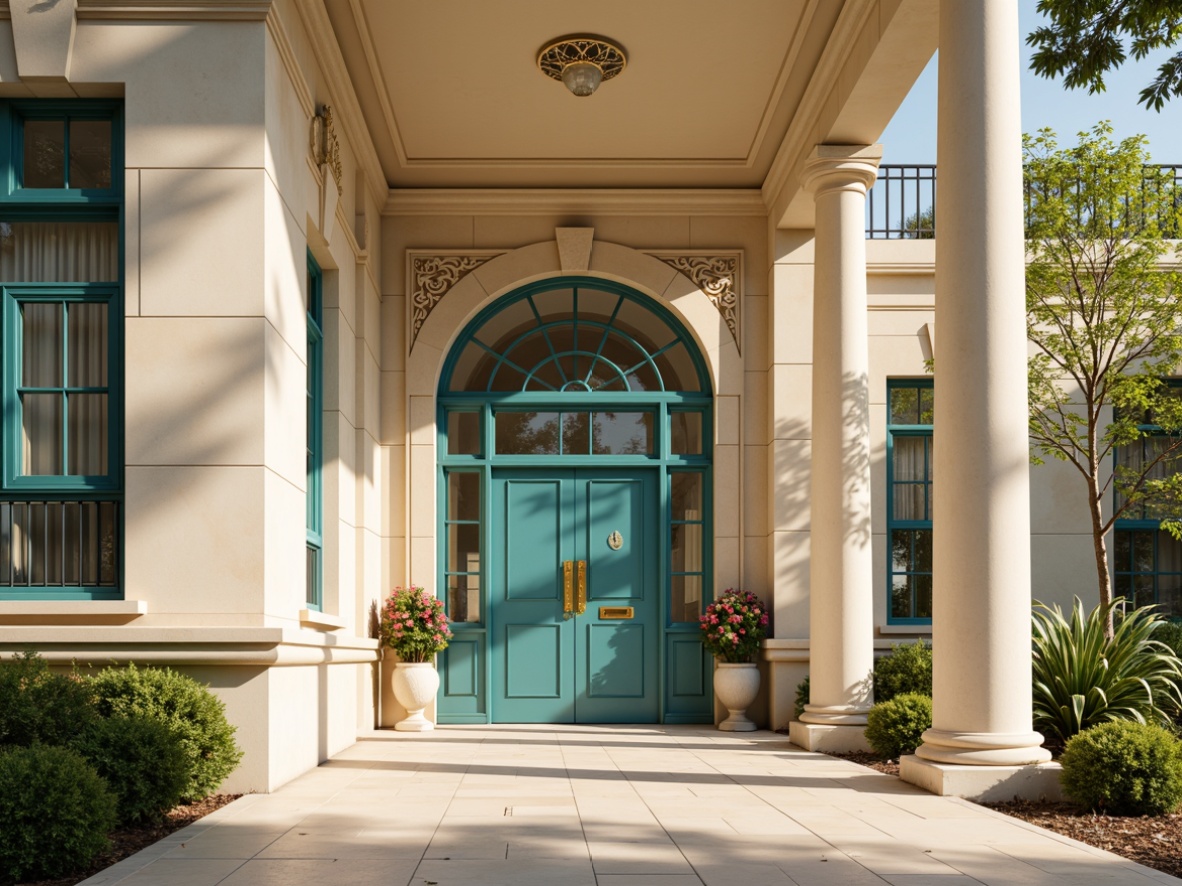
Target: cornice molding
<point x="551" y="201"/>
<point x="431" y="274"/>
<point x="720" y="277"/>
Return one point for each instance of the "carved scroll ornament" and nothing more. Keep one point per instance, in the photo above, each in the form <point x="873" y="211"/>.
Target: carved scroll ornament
<point x="431" y="278"/>
<point x="718" y="277"/>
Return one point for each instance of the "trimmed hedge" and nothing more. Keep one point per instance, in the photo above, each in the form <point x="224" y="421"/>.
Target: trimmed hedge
<point x="38" y="706"/>
<point x="1124" y="768"/>
<point x="896" y="727"/>
<point x="55" y="812"/>
<point x="908" y="668"/>
<point x="194" y="715"/>
<point x="142" y="762"/>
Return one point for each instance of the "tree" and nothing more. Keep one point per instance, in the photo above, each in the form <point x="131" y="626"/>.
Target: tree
<point x="1087" y="38"/>
<point x="1103" y="317"/>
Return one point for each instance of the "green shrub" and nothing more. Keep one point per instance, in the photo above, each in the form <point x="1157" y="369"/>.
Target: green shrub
<point x="896" y="727"/>
<point x="1124" y="768"/>
<point x="1082" y="679"/>
<point x="1170" y="633"/>
<point x="194" y="715"/>
<point x="39" y="706"/>
<point x="802" y="698"/>
<point x="143" y="764"/>
<point x="55" y="813"/>
<point x="908" y="668"/>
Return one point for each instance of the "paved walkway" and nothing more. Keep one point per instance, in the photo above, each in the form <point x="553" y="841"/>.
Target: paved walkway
<point x="608" y="806"/>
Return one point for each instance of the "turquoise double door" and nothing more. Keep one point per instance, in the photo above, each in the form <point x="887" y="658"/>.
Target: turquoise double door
<point x="575" y="596"/>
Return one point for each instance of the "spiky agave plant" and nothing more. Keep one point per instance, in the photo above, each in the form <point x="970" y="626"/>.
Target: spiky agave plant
<point x="1081" y="679"/>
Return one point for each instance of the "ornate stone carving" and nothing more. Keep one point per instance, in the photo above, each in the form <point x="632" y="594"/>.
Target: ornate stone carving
<point x="326" y="150"/>
<point x="431" y="277"/>
<point x="716" y="275"/>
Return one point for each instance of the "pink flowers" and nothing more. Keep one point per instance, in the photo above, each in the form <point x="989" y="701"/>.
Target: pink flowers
<point x="734" y="625"/>
<point x="414" y="624"/>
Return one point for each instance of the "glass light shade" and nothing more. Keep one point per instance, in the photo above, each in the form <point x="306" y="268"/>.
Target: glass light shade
<point x="582" y="78"/>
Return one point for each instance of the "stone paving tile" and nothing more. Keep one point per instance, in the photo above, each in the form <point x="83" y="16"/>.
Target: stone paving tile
<point x="609" y="806"/>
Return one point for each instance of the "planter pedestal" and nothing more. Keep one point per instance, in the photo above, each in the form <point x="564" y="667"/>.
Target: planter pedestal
<point x="415" y="684"/>
<point x="735" y="686"/>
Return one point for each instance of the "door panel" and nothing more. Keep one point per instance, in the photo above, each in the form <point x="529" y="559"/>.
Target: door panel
<point x="550" y="666"/>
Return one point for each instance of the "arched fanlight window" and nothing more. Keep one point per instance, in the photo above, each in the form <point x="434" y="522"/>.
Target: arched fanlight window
<point x="575" y="337"/>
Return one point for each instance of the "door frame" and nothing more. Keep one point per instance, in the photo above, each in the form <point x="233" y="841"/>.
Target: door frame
<point x="466" y="685"/>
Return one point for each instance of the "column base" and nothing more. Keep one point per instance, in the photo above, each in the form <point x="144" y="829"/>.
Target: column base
<point x="828" y="739"/>
<point x="982" y="748"/>
<point x="835" y="715"/>
<point x="988" y="784"/>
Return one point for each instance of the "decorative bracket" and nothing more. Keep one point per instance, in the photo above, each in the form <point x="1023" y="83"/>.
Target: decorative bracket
<point x="432" y="275"/>
<point x="326" y="153"/>
<point x="719" y="275"/>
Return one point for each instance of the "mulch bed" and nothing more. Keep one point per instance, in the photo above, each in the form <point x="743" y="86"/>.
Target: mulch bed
<point x="126" y="842"/>
<point x="1154" y="841"/>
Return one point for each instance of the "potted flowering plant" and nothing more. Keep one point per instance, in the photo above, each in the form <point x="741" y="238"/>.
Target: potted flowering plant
<point x="415" y="626"/>
<point x="732" y="628"/>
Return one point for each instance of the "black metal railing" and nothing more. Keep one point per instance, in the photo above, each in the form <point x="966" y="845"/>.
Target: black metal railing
<point x="902" y="203"/>
<point x="59" y="543"/>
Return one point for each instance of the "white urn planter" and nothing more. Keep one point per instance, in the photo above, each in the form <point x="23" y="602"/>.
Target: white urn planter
<point x="735" y="686"/>
<point x="415" y="684"/>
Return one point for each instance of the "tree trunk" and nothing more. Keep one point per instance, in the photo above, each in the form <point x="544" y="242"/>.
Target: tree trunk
<point x="1103" y="577"/>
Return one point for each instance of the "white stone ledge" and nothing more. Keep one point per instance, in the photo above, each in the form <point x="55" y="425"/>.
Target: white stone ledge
<point x="70" y="612"/>
<point x="985" y="784"/>
<point x="317" y="620"/>
<point x="242" y="646"/>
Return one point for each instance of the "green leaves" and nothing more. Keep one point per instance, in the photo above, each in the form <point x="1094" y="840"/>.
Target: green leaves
<point x="1082" y="678"/>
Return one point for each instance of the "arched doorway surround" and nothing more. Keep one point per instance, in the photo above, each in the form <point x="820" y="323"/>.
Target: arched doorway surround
<point x="515" y="307"/>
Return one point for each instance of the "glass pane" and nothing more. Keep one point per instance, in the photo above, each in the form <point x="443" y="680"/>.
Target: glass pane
<point x="909" y="458"/>
<point x="923" y="596"/>
<point x="463" y="547"/>
<point x="463" y="496"/>
<point x="909" y="501"/>
<point x="41" y="344"/>
<point x="622" y="433"/>
<point x="526" y="433"/>
<point x="1124" y="551"/>
<point x="90" y="153"/>
<point x="901" y="550"/>
<point x="576" y="433"/>
<point x="108" y="516"/>
<point x="312" y="577"/>
<point x="41" y="421"/>
<point x="677" y="369"/>
<point x="686" y="598"/>
<point x="1169" y="553"/>
<point x="686" y="496"/>
<point x="463" y="433"/>
<point x="45" y="146"/>
<point x="923" y="550"/>
<point x="649" y="330"/>
<point x="88" y="434"/>
<point x="927" y="406"/>
<point x="900" y="596"/>
<point x="505" y="378"/>
<point x="88" y="345"/>
<point x="685" y="433"/>
<point x="471" y="370"/>
<point x="463" y="598"/>
<point x="1143" y="550"/>
<point x="1143" y="594"/>
<point x="502" y="328"/>
<point x="59" y="252"/>
<point x="687" y="547"/>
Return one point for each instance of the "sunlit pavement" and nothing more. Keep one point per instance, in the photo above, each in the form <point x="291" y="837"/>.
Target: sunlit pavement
<point x="608" y="806"/>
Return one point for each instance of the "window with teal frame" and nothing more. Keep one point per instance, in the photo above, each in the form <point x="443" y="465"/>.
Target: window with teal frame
<point x="315" y="433"/>
<point x="910" y="404"/>
<point x="1147" y="560"/>
<point x="61" y="343"/>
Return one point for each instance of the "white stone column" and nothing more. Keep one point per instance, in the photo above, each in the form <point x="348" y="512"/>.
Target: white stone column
<point x="981" y="527"/>
<point x="841" y="624"/>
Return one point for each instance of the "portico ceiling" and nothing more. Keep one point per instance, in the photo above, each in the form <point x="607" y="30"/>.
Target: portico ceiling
<point x="453" y="98"/>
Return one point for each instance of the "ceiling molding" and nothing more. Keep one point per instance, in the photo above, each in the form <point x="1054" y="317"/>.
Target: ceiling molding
<point x="825" y="78"/>
<point x="365" y="35"/>
<point x="558" y="201"/>
<point x="188" y="10"/>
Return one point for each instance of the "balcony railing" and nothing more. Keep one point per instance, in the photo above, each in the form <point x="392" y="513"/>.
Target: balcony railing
<point x="902" y="203"/>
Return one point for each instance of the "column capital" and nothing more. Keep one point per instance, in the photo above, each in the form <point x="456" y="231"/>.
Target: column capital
<point x="840" y="167"/>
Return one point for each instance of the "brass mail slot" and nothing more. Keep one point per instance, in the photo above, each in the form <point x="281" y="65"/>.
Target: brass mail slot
<point x="608" y="612"/>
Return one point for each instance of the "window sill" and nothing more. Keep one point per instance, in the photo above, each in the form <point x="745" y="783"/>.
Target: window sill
<point x="71" y="612"/>
<point x="320" y="621"/>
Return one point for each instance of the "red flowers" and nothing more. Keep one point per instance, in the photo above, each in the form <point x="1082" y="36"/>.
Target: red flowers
<point x="734" y="625"/>
<point x="414" y="624"/>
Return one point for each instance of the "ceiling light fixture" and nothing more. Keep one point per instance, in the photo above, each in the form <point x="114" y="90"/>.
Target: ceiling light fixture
<point x="581" y="62"/>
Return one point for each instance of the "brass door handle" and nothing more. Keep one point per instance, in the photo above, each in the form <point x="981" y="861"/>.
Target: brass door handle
<point x="568" y="594"/>
<point x="582" y="603"/>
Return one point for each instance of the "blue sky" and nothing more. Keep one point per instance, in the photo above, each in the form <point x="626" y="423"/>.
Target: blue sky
<point x="911" y="135"/>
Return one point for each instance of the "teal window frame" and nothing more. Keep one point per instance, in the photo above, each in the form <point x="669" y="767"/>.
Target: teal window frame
<point x="314" y="592"/>
<point x="1142" y="586"/>
<point x="660" y="403"/>
<point x="911" y="527"/>
<point x="18" y="204"/>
